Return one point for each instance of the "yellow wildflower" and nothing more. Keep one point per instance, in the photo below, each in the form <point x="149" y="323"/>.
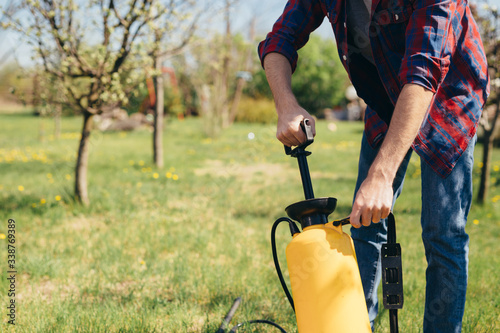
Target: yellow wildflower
<point x="175" y="177"/>
<point x="141" y="163"/>
<point x="20" y="188"/>
<point x="2" y="236"/>
<point x="58" y="198"/>
<point x="43" y="201"/>
<point x="155" y="175"/>
<point x="168" y="175"/>
<point x="475" y="221"/>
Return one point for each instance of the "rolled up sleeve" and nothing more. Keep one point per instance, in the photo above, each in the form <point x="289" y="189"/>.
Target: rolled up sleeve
<point x="429" y="46"/>
<point x="291" y="31"/>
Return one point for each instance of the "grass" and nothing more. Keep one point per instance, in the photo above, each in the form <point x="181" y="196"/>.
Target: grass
<point x="169" y="250"/>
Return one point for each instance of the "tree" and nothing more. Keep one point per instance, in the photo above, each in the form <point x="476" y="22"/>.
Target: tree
<point x="97" y="50"/>
<point x="319" y="81"/>
<point x="7" y="9"/>
<point x="163" y="49"/>
<point x="216" y="69"/>
<point x="489" y="22"/>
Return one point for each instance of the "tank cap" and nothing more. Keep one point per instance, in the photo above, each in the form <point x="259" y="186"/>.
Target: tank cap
<point x="312" y="211"/>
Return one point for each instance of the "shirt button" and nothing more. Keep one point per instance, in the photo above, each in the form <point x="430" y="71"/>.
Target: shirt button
<point x="396" y="16"/>
<point x="345" y="26"/>
<point x="344" y="57"/>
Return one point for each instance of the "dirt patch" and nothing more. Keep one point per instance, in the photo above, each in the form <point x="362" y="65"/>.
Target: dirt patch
<point x="263" y="173"/>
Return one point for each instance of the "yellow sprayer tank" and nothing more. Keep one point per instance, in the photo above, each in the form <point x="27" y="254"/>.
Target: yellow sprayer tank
<point x="325" y="281"/>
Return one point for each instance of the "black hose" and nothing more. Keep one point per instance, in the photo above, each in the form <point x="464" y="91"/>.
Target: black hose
<point x="258" y="321"/>
<point x="276" y="261"/>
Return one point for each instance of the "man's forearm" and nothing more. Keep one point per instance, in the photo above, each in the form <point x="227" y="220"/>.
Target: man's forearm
<point x="290" y="114"/>
<point x="279" y="77"/>
<point x="408" y="116"/>
<point x="374" y="198"/>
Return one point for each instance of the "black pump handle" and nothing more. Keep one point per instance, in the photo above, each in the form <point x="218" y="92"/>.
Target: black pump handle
<point x="307" y="128"/>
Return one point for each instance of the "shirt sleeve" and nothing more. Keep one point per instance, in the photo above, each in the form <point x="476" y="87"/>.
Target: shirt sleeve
<point x="291" y="31"/>
<point x="430" y="42"/>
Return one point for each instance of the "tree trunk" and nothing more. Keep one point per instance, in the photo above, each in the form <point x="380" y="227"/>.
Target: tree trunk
<point x="489" y="138"/>
<point x="485" y="170"/>
<point x="236" y="100"/>
<point x="158" y="120"/>
<point x="81" y="194"/>
<point x="57" y="121"/>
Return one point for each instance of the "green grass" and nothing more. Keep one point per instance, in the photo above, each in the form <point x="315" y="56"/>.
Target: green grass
<point x="170" y="254"/>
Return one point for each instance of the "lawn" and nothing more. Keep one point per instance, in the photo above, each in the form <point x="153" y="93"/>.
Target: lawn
<point x="169" y="250"/>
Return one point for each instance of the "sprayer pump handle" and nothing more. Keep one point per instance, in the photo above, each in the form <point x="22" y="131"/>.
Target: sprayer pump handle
<point x="306" y="127"/>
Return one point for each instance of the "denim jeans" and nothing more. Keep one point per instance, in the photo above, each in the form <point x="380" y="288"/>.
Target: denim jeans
<point x="445" y="206"/>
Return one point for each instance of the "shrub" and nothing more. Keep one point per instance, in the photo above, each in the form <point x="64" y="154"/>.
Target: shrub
<point x="260" y="110"/>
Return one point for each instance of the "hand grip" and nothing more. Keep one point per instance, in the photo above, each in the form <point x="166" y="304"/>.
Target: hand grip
<point x="307" y="129"/>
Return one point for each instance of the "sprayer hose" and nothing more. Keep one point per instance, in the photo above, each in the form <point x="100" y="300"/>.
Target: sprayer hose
<point x="276" y="261"/>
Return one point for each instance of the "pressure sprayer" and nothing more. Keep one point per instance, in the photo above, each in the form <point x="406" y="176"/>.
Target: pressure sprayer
<point x="324" y="276"/>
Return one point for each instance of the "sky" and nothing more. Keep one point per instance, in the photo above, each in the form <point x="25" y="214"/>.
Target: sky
<point x="264" y="12"/>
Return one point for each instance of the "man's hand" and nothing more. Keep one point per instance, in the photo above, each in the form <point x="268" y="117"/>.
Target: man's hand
<point x="290" y="113"/>
<point x="289" y="131"/>
<point x="373" y="202"/>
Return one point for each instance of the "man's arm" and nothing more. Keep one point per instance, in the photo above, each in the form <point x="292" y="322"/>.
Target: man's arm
<point x="290" y="113"/>
<point x="374" y="198"/>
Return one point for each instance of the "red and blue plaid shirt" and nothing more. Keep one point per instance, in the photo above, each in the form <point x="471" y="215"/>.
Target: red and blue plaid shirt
<point x="435" y="44"/>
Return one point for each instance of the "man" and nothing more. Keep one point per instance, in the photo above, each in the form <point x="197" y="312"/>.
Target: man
<point x="420" y="67"/>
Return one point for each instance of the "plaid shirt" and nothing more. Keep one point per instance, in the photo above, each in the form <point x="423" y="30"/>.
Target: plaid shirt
<point x="435" y="44"/>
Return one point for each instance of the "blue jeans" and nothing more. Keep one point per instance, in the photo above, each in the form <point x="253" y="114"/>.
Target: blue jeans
<point x="445" y="206"/>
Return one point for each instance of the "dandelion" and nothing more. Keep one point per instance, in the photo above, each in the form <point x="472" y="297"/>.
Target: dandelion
<point x="58" y="198"/>
<point x="480" y="165"/>
<point x="168" y="175"/>
<point x="49" y="175"/>
<point x="68" y="177"/>
<point x="175" y="177"/>
<point x="142" y="262"/>
<point x="172" y="169"/>
<point x="143" y="170"/>
<point x="139" y="184"/>
<point x="2" y="236"/>
<point x="33" y="205"/>
<point x="20" y="188"/>
<point x="43" y="201"/>
<point x="475" y="222"/>
<point x="496" y="168"/>
<point x="131" y="162"/>
<point x="155" y="175"/>
<point x="141" y="163"/>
